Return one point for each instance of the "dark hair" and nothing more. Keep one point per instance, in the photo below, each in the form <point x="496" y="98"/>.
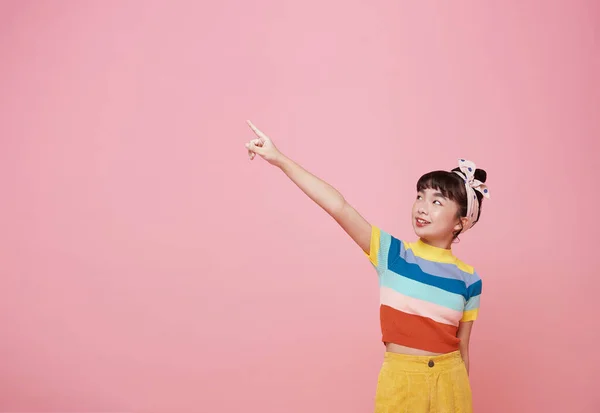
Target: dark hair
<point x="452" y="186"/>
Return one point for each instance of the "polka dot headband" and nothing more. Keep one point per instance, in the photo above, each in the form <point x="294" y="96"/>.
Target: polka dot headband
<point x="467" y="173"/>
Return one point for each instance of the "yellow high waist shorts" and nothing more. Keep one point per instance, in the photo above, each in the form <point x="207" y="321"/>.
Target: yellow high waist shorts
<point x="420" y="384"/>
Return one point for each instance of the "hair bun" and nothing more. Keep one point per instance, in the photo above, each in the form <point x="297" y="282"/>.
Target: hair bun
<point x="480" y="174"/>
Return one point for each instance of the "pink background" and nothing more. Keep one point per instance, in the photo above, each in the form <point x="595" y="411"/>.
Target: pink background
<point x="148" y="266"/>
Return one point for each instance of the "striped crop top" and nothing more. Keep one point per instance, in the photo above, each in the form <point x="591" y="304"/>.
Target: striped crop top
<point x="425" y="292"/>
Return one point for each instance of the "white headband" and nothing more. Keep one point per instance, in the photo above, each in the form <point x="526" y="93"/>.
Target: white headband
<point x="471" y="184"/>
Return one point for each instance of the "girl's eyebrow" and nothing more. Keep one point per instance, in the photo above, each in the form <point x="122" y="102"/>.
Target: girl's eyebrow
<point x="440" y="195"/>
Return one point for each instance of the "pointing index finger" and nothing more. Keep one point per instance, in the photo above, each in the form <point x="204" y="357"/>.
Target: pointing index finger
<point x="254" y="128"/>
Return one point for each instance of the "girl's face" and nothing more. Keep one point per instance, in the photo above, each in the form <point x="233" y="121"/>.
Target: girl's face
<point x="434" y="218"/>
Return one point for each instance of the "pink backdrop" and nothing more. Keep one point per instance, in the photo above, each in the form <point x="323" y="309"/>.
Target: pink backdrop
<point x="148" y="266"/>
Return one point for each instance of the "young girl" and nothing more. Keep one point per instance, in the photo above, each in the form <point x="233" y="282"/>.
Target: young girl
<point x="429" y="298"/>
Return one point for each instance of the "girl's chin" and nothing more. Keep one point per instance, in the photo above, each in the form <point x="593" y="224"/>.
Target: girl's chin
<point x="421" y="231"/>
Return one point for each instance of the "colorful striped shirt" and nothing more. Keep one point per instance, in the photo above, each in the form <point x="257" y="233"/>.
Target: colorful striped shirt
<point x="425" y="292"/>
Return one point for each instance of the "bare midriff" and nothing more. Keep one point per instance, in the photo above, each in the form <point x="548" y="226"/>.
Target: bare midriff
<point x="397" y="348"/>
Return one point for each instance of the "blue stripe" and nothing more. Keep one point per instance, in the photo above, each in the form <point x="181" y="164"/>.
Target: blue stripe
<point x="398" y="265"/>
<point x="394" y="250"/>
<point x="440" y="269"/>
<point x="385" y="240"/>
<point x="474" y="289"/>
<point x="473" y="303"/>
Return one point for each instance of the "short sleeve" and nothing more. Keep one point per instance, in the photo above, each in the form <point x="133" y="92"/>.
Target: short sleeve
<point x="379" y="249"/>
<point x="471" y="311"/>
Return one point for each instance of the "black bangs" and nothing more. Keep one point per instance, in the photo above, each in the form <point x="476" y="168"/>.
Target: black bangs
<point x="448" y="183"/>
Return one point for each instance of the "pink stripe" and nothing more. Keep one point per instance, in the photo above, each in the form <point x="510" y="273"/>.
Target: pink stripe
<point x="422" y="308"/>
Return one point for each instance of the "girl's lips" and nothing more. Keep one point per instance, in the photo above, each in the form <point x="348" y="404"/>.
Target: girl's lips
<point x="421" y="222"/>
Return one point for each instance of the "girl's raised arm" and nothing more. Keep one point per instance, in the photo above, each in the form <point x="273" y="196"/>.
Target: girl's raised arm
<point x="323" y="194"/>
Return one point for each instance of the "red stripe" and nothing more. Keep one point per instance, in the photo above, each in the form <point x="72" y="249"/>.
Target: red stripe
<point x="417" y="332"/>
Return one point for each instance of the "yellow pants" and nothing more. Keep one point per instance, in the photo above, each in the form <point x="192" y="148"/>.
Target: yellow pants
<point x="420" y="384"/>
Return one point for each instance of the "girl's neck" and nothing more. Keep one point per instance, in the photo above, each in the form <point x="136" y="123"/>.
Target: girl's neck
<point x="441" y="244"/>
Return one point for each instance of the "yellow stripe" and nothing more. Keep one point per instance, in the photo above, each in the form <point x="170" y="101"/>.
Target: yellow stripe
<point x="374" y="247"/>
<point x="470" y="315"/>
<point x="464" y="267"/>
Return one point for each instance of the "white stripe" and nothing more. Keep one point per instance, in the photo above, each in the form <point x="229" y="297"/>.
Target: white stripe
<point x="414" y="306"/>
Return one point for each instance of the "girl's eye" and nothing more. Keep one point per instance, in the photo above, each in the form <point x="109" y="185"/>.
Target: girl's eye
<point x="419" y="197"/>
<point x="438" y="202"/>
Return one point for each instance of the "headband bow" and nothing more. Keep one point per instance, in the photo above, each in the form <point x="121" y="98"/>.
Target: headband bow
<point x="467" y="173"/>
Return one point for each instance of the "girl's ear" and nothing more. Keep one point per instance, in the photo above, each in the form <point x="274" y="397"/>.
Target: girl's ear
<point x="460" y="224"/>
